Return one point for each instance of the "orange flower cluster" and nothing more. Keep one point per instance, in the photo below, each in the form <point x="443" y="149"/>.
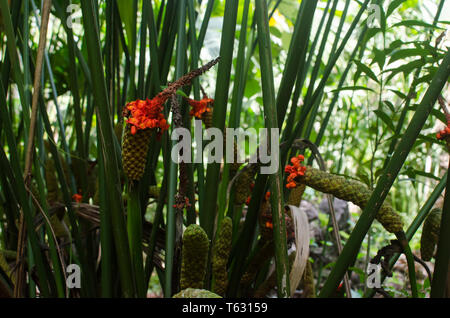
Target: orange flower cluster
<point x="77" y="197"/>
<point x="144" y="114"/>
<point x="181" y="203"/>
<point x="200" y="106"/>
<point x="444" y="133"/>
<point x="269" y="225"/>
<point x="294" y="171"/>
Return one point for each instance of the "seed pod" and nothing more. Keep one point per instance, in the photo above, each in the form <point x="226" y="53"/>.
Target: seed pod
<point x="353" y="191"/>
<point x="59" y="226"/>
<point x="430" y="234"/>
<point x="207" y="119"/>
<point x="243" y="184"/>
<point x="194" y="254"/>
<point x="134" y="152"/>
<point x="295" y="196"/>
<point x="195" y="293"/>
<point x="266" y="222"/>
<point x="221" y="252"/>
<point x="234" y="167"/>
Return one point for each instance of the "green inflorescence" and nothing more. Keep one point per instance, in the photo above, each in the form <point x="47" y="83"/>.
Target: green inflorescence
<point x="430" y="234"/>
<point x="195" y="293"/>
<point x="221" y="252"/>
<point x="243" y="185"/>
<point x="353" y="191"/>
<point x="194" y="256"/>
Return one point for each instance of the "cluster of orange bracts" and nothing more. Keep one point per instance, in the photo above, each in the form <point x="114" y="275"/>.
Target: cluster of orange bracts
<point x="147" y="114"/>
<point x="294" y="171"/>
<point x="444" y="133"/>
<point x="77" y="197"/>
<point x="200" y="106"/>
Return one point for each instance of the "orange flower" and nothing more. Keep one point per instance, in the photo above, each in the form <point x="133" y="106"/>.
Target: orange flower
<point x="443" y="133"/>
<point x="269" y="225"/>
<point x="144" y="114"/>
<point x="200" y="106"/>
<point x="77" y="197"/>
<point x="294" y="171"/>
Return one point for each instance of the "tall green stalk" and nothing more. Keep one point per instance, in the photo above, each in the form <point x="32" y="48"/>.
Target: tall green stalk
<point x="208" y="210"/>
<point x="107" y="141"/>
<point x="442" y="265"/>
<point x="275" y="179"/>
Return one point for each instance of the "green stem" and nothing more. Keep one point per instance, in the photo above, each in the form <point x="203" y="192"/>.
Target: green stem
<point x="275" y="179"/>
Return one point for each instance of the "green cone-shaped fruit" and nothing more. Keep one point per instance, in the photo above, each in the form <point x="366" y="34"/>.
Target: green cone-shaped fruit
<point x="195" y="293"/>
<point x="221" y="252"/>
<point x="430" y="234"/>
<point x="194" y="256"/>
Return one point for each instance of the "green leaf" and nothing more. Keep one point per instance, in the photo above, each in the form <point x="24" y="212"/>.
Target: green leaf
<point x="405" y="53"/>
<point x="392" y="6"/>
<point x="352" y="88"/>
<point x="181" y="93"/>
<point x="398" y="93"/>
<point x="365" y="69"/>
<point x="411" y="23"/>
<point x="379" y="58"/>
<point x="385" y="118"/>
<point x="126" y="15"/>
<point x="405" y="68"/>
<point x="390" y="105"/>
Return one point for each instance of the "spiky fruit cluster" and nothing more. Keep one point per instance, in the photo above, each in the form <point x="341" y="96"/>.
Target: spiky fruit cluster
<point x="243" y="184"/>
<point x="195" y="293"/>
<point x="353" y="191"/>
<point x="145" y="116"/>
<point x="207" y="119"/>
<point x="221" y="253"/>
<point x="134" y="152"/>
<point x="430" y="234"/>
<point x="266" y="221"/>
<point x="342" y="188"/>
<point x="295" y="196"/>
<point x="194" y="256"/>
<point x="200" y="107"/>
